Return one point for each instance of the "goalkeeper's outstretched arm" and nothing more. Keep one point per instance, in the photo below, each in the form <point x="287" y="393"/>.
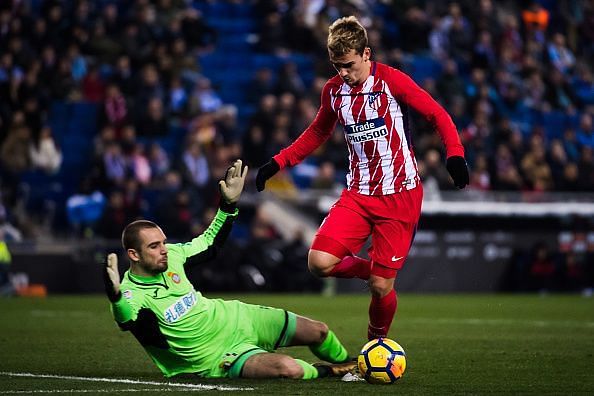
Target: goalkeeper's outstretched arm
<point x="205" y="247"/>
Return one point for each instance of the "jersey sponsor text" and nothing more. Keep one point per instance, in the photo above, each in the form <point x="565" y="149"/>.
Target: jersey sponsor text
<point x="366" y="131"/>
<point x="181" y="307"/>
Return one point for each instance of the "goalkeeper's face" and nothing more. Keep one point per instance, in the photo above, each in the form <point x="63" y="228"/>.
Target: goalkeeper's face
<point x="153" y="252"/>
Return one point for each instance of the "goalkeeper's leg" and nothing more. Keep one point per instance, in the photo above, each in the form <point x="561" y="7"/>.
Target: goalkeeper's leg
<point x="321" y="340"/>
<point x="276" y="365"/>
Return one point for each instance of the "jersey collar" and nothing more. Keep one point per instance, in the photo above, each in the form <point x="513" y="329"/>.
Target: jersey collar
<point x="146" y="279"/>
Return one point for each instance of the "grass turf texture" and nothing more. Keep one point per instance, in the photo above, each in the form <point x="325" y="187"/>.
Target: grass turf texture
<point x="455" y="344"/>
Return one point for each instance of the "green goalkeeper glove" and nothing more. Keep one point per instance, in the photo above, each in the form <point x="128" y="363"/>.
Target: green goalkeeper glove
<point x="232" y="186"/>
<point x="111" y="277"/>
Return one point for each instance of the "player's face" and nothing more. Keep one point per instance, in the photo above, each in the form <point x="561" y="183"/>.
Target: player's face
<point x="352" y="67"/>
<point x="152" y="257"/>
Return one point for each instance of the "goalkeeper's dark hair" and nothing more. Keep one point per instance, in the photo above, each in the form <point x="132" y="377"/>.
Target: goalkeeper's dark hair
<point x="130" y="235"/>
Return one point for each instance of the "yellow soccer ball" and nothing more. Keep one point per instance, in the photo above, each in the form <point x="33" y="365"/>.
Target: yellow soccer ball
<point x="382" y="361"/>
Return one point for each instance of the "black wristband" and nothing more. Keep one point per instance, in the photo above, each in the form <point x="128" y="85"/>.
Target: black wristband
<point x="227" y="207"/>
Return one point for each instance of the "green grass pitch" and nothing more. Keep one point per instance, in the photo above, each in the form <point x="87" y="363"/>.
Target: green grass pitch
<point x="455" y="344"/>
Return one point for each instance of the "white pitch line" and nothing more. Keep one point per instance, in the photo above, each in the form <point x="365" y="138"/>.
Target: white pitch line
<point x="128" y="381"/>
<point x="111" y="391"/>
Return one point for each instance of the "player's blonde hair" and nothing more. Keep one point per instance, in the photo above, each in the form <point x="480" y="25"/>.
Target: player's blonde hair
<point x="346" y="34"/>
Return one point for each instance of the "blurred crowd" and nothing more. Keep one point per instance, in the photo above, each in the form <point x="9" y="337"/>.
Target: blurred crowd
<point x="516" y="77"/>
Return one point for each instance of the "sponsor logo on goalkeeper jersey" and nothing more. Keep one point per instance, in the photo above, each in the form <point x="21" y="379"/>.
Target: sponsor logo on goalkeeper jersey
<point x="180" y="308"/>
<point x="366" y="131"/>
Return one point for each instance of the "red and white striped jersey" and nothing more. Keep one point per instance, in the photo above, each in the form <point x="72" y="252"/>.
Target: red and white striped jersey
<point x="374" y="116"/>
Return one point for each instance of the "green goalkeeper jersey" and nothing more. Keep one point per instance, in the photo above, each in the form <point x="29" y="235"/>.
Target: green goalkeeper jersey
<point x="179" y="328"/>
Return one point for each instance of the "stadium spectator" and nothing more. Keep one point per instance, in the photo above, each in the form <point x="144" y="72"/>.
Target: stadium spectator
<point x="204" y="99"/>
<point x="585" y="132"/>
<point x="178" y="97"/>
<point x="177" y="215"/>
<point x="115" y="109"/>
<point x="155" y="121"/>
<point x="542" y="269"/>
<point x="289" y="80"/>
<point x="361" y="96"/>
<point x="559" y="93"/>
<point x="195" y="169"/>
<point x="204" y="336"/>
<point x="586" y="169"/>
<point x="507" y="176"/>
<point x="450" y="85"/>
<point x="570" y="144"/>
<point x="138" y="164"/>
<point x="122" y="75"/>
<point x="433" y="169"/>
<point x="570" y="179"/>
<point x="480" y="178"/>
<point x="254" y="146"/>
<point x="261" y="84"/>
<point x="557" y="158"/>
<point x="114" y="216"/>
<point x="114" y="163"/>
<point x="159" y="161"/>
<point x="560" y="56"/>
<point x="15" y="148"/>
<point x="44" y="152"/>
<point x="93" y="88"/>
<point x="326" y="177"/>
<point x="536" y="21"/>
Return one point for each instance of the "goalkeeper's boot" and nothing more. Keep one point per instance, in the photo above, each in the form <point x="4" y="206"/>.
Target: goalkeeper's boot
<point x="353" y="375"/>
<point x="335" y="369"/>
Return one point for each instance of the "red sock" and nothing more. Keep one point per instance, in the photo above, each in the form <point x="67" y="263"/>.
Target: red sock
<point x="381" y="313"/>
<point x="352" y="267"/>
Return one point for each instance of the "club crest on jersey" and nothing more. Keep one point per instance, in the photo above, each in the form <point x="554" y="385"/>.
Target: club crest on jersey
<point x="373" y="102"/>
<point x="174" y="277"/>
<point x="127" y="294"/>
<point x="365" y="131"/>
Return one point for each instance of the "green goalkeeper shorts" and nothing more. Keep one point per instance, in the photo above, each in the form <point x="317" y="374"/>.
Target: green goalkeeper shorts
<point x="263" y="329"/>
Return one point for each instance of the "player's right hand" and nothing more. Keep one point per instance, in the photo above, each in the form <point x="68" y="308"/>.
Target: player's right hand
<point x="111" y="277"/>
<point x="265" y="172"/>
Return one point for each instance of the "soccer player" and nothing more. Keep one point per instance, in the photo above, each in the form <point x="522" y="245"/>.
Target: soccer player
<point x="185" y="332"/>
<point x="384" y="193"/>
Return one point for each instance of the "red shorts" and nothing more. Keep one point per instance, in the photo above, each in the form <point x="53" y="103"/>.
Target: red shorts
<point x="391" y="220"/>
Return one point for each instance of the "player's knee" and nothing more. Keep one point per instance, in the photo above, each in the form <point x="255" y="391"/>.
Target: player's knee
<point x="321" y="331"/>
<point x="319" y="265"/>
<point x="380" y="287"/>
<point x="318" y="270"/>
<point x="288" y="368"/>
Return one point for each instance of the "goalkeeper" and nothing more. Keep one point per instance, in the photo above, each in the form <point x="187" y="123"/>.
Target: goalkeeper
<point x="185" y="332"/>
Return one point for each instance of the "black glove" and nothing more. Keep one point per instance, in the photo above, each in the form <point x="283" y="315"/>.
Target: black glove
<point x="458" y="169"/>
<point x="265" y="172"/>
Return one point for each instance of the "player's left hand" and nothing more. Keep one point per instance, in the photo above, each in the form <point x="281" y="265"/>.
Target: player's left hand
<point x="232" y="186"/>
<point x="458" y="169"/>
